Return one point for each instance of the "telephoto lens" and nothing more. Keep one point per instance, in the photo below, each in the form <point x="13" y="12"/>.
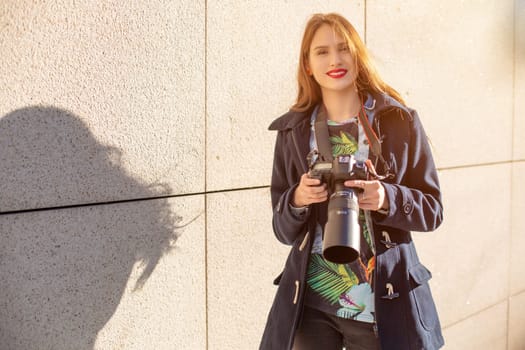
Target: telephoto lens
<point x="342" y="233"/>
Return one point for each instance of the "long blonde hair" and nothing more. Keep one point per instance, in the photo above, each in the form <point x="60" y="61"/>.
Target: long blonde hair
<point x="309" y="92"/>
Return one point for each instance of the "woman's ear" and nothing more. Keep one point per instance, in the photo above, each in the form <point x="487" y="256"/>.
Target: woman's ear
<point x="308" y="70"/>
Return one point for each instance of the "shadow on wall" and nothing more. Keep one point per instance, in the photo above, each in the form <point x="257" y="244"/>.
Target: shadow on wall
<point x="63" y="272"/>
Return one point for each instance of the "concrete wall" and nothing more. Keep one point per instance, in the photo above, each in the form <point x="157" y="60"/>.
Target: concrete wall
<point x="135" y="160"/>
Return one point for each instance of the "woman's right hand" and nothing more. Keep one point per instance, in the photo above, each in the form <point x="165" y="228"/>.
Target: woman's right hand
<point x="309" y="191"/>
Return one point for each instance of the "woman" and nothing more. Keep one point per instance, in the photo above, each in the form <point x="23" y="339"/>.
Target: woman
<point x="380" y="300"/>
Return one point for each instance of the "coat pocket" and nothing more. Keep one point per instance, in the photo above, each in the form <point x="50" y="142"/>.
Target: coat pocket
<point x="422" y="297"/>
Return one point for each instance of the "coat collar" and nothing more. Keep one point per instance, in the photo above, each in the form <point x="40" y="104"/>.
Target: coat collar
<point x="289" y="120"/>
<point x="375" y="103"/>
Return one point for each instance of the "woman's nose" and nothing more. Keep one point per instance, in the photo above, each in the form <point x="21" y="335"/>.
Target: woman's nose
<point x="335" y="59"/>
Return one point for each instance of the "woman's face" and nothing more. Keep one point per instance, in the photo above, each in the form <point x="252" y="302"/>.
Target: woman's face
<point x="330" y="61"/>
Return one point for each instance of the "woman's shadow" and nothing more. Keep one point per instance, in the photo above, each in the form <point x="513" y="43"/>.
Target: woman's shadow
<point x="63" y="271"/>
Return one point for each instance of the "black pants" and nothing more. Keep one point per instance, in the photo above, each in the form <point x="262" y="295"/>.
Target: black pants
<point x="320" y="331"/>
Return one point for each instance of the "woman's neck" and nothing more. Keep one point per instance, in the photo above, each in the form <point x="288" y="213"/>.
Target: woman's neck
<point x="341" y="105"/>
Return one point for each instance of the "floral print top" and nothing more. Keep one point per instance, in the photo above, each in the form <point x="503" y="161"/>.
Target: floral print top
<point x="344" y="290"/>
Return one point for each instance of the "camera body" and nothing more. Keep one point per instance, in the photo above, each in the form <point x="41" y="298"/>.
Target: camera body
<point x="342" y="168"/>
<point x="342" y="233"/>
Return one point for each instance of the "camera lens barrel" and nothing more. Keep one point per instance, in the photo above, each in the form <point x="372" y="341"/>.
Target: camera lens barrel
<point x="342" y="233"/>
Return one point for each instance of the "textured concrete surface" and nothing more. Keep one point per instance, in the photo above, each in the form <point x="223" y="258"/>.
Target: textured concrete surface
<point x="472" y="246"/>
<point x="243" y="259"/>
<point x="106" y="101"/>
<point x="125" y="72"/>
<point x="484" y="330"/>
<point x="252" y="66"/>
<point x="453" y="62"/>
<point x="104" y="277"/>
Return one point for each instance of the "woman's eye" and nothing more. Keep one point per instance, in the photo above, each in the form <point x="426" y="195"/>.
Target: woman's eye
<point x="322" y="52"/>
<point x="344" y="48"/>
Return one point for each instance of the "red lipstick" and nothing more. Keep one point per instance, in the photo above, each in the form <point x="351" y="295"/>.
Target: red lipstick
<point x="337" y="73"/>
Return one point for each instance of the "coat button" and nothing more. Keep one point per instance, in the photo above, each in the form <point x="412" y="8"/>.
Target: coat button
<point x="305" y="240"/>
<point x="387" y="241"/>
<point x="407" y="208"/>
<point x="390" y="292"/>
<point x="296" y="295"/>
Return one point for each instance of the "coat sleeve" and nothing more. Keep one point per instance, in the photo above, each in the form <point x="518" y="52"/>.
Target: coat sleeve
<point x="286" y="225"/>
<point x="415" y="198"/>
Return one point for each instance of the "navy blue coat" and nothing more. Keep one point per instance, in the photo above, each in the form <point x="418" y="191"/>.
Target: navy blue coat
<point x="407" y="318"/>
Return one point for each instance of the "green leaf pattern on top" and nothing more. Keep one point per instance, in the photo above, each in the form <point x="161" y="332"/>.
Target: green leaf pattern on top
<point x="343" y="144"/>
<point x="330" y="280"/>
<point x="366" y="231"/>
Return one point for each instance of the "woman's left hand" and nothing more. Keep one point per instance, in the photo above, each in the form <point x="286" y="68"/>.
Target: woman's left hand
<point x="372" y="196"/>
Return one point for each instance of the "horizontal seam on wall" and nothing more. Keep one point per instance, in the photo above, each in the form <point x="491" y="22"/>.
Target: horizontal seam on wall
<point x="467" y="166"/>
<point x="476" y="313"/>
<point x="22" y="211"/>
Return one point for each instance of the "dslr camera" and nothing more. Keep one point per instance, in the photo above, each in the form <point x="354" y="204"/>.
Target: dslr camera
<point x="342" y="233"/>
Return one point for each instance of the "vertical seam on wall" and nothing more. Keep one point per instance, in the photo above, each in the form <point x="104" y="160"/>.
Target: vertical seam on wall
<point x="509" y="271"/>
<point x="206" y="335"/>
<point x="514" y="39"/>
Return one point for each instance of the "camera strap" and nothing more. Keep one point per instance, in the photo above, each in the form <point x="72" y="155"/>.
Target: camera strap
<point x="322" y="137"/>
